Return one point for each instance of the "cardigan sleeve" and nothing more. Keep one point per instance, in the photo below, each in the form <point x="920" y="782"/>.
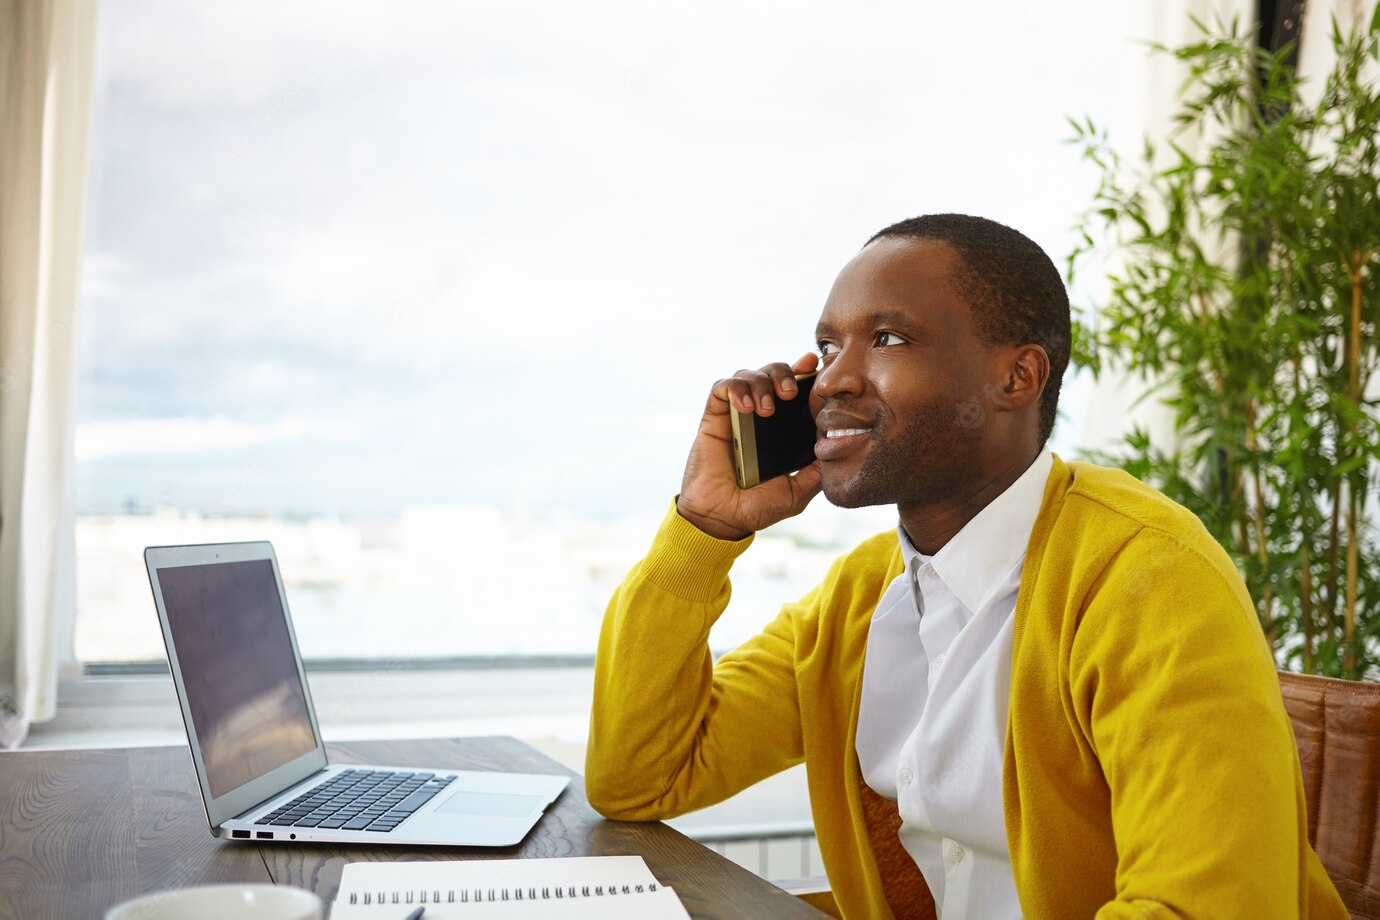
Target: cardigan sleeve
<point x="670" y="731"/>
<point x="1174" y="687"/>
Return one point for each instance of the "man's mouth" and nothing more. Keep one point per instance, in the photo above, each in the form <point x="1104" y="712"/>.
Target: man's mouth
<point x="835" y="443"/>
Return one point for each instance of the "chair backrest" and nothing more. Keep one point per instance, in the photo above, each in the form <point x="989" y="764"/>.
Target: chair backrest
<point x="1337" y="726"/>
<point x="905" y="889"/>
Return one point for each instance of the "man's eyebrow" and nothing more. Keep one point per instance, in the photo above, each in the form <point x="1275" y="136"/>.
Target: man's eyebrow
<point x="895" y="318"/>
<point x="876" y="320"/>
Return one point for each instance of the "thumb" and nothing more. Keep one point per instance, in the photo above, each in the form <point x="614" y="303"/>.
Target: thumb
<point x="805" y="485"/>
<point x="806" y="363"/>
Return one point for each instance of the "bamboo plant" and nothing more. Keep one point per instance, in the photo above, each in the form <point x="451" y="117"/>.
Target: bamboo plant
<point x="1246" y="293"/>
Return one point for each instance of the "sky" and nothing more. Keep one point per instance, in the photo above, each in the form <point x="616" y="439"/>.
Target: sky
<point x="352" y="261"/>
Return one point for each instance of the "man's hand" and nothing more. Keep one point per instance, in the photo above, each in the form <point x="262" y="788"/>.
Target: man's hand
<point x="709" y="494"/>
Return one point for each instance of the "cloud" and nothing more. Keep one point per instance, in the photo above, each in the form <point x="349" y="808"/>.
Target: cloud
<point x="250" y="54"/>
<point x="149" y="436"/>
<point x="561" y="222"/>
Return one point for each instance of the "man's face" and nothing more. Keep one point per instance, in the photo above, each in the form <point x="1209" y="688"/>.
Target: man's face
<point x="899" y="399"/>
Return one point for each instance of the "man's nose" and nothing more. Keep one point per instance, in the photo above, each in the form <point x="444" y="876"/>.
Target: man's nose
<point x="840" y="375"/>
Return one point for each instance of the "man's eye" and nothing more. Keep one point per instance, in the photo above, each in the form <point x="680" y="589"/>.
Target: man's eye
<point x="889" y="338"/>
<point x="827" y="348"/>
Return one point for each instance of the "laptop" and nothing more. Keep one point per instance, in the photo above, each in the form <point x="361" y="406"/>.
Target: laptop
<point x="254" y="736"/>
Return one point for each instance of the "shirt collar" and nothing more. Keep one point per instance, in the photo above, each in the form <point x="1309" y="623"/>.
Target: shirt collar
<point x="989" y="545"/>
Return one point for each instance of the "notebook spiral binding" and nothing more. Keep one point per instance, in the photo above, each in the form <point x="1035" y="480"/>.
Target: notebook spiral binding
<point x="479" y="895"/>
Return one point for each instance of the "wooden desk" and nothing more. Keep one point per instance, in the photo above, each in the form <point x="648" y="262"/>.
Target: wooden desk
<point x="82" y="830"/>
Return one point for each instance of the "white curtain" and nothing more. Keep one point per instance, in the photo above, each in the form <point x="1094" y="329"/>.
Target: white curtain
<point x="46" y="55"/>
<point x="1149" y="97"/>
<point x="1315" y="47"/>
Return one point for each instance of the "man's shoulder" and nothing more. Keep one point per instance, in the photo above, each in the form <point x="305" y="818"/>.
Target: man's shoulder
<point x="875" y="554"/>
<point x="1109" y="493"/>
<point x="1107" y="510"/>
<point x="880" y="545"/>
<point x="856" y="581"/>
<point x="866" y="568"/>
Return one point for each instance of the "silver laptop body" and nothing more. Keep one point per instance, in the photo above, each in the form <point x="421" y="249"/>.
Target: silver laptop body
<point x="253" y="732"/>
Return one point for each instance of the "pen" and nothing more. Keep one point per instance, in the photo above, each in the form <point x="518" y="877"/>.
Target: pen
<point x="416" y="914"/>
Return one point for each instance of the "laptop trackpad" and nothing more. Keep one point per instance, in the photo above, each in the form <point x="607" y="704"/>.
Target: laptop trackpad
<point x="490" y="804"/>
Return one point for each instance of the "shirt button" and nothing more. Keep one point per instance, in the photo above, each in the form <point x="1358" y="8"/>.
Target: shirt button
<point x="956" y="854"/>
<point x="905" y="776"/>
<point x="939" y="659"/>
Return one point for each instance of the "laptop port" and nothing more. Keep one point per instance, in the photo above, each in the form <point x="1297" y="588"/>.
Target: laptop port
<point x="264" y="835"/>
<point x="243" y="835"/>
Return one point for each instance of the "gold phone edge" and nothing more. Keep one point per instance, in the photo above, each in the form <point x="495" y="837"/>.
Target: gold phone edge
<point x="744" y="449"/>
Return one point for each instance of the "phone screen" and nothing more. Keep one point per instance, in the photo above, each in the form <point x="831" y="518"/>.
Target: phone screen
<point x="773" y="445"/>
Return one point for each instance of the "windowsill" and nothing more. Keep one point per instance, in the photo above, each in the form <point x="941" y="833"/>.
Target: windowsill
<point x="547" y="707"/>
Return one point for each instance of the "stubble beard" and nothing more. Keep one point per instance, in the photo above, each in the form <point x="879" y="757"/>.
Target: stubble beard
<point x="924" y="463"/>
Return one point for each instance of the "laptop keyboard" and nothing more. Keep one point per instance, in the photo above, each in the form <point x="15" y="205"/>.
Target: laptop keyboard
<point x="360" y="800"/>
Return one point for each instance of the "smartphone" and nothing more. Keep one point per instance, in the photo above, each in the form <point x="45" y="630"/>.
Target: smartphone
<point x="766" y="446"/>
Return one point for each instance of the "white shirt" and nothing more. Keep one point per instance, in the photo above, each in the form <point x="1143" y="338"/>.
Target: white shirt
<point x="932" y="722"/>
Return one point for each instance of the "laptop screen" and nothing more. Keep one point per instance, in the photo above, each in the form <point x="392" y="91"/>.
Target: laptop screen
<point x="247" y="705"/>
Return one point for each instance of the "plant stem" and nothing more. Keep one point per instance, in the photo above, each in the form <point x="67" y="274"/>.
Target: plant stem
<point x="1262" y="549"/>
<point x="1305" y="555"/>
<point x="1334" y="538"/>
<point x="1354" y="391"/>
<point x="1352" y="570"/>
<point x="1227" y="485"/>
<point x="1306" y="611"/>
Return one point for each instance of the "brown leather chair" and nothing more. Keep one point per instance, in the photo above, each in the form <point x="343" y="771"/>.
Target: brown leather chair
<point x="906" y="892"/>
<point x="1337" y="726"/>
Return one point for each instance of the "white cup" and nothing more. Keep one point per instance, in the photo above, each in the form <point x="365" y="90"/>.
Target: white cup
<point x="222" y="902"/>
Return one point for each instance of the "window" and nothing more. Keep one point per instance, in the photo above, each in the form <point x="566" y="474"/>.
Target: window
<point x="430" y="295"/>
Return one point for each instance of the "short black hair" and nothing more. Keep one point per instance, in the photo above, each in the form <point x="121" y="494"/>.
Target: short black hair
<point x="1014" y="290"/>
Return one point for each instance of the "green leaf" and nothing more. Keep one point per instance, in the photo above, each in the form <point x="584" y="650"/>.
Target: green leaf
<point x="1231" y="299"/>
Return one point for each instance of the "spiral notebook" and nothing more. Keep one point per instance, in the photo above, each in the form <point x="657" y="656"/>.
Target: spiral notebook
<point x="613" y="887"/>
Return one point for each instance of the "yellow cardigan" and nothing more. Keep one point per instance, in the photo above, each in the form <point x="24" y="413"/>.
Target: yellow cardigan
<point x="1150" y="768"/>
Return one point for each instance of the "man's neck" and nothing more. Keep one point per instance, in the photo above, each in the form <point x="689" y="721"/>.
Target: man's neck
<point x="931" y="526"/>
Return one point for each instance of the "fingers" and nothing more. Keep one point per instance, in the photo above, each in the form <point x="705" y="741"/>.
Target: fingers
<point x="804" y="485"/>
<point x="807" y="363"/>
<point x="729" y="513"/>
<point x="777" y="499"/>
<point x="757" y="391"/>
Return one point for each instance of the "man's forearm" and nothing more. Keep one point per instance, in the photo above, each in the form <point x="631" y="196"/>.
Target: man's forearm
<point x="671" y="731"/>
<point x="653" y="674"/>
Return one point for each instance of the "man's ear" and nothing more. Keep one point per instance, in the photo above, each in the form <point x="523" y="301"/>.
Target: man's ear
<point x="1025" y="372"/>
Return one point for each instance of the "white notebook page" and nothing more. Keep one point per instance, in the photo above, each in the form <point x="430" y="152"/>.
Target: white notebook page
<point x="615" y="887"/>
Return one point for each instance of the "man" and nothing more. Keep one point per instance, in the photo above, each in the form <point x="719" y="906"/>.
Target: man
<point x="1052" y="670"/>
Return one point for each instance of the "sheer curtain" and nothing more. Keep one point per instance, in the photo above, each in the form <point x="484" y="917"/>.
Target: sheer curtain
<point x="1315" y="45"/>
<point x="1149" y="96"/>
<point x="46" y="53"/>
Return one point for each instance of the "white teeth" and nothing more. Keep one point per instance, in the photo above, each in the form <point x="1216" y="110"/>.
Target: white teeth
<point x="845" y="432"/>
